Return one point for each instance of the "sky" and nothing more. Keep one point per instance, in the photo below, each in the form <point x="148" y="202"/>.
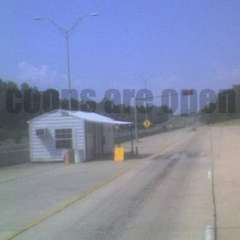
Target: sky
<point x="156" y="44"/>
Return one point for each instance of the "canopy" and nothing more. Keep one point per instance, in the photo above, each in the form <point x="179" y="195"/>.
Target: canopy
<point x="97" y="118"/>
<point x="87" y="116"/>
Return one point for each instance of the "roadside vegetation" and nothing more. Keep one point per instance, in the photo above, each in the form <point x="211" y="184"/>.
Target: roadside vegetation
<point x="19" y="103"/>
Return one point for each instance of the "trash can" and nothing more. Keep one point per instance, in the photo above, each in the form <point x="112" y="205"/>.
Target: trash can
<point x="119" y="153"/>
<point x="68" y="157"/>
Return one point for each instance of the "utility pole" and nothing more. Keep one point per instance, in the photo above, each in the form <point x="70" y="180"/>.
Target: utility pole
<point x="136" y="127"/>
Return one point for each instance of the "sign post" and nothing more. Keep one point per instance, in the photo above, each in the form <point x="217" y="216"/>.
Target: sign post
<point x="147" y="124"/>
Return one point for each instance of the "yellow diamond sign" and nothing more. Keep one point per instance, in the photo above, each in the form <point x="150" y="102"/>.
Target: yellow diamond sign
<point x="147" y="123"/>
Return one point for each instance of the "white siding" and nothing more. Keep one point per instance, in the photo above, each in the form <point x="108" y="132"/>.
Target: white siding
<point x="44" y="149"/>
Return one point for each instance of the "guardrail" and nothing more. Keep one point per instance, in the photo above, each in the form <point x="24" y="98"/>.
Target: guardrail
<point x="172" y="124"/>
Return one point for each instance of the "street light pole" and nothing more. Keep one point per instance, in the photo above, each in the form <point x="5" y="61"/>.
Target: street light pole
<point x="68" y="70"/>
<point x="66" y="33"/>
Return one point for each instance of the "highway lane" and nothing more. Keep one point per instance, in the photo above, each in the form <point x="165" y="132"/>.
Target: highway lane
<point x="167" y="197"/>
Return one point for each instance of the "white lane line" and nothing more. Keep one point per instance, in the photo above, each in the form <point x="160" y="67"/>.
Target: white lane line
<point x="209" y="233"/>
<point x="209" y="174"/>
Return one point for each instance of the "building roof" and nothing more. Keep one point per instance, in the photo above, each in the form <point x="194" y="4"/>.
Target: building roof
<point x="87" y="116"/>
<point x="95" y="117"/>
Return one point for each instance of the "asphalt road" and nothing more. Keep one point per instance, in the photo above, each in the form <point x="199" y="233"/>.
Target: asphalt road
<point x="166" y="197"/>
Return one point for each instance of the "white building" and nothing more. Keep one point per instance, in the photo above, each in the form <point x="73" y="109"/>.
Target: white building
<point x="88" y="134"/>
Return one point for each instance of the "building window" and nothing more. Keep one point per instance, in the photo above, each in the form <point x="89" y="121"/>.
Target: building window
<point x="63" y="138"/>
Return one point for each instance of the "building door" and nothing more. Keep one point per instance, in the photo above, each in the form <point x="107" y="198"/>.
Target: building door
<point x="95" y="141"/>
<point x="90" y="141"/>
<point x="100" y="141"/>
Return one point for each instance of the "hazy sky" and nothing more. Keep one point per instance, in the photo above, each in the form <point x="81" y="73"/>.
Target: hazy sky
<point x="169" y="44"/>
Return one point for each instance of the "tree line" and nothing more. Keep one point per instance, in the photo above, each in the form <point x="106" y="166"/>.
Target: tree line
<point x="20" y="103"/>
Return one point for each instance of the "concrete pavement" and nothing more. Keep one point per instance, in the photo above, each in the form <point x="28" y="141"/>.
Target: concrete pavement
<point x="226" y="155"/>
<point x="165" y="197"/>
<point x="37" y="191"/>
<point x="32" y="192"/>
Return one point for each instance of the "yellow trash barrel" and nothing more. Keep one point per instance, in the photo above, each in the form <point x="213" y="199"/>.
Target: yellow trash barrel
<point x="119" y="153"/>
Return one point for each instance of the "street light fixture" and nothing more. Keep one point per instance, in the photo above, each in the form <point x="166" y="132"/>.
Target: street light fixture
<point x="66" y="33"/>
